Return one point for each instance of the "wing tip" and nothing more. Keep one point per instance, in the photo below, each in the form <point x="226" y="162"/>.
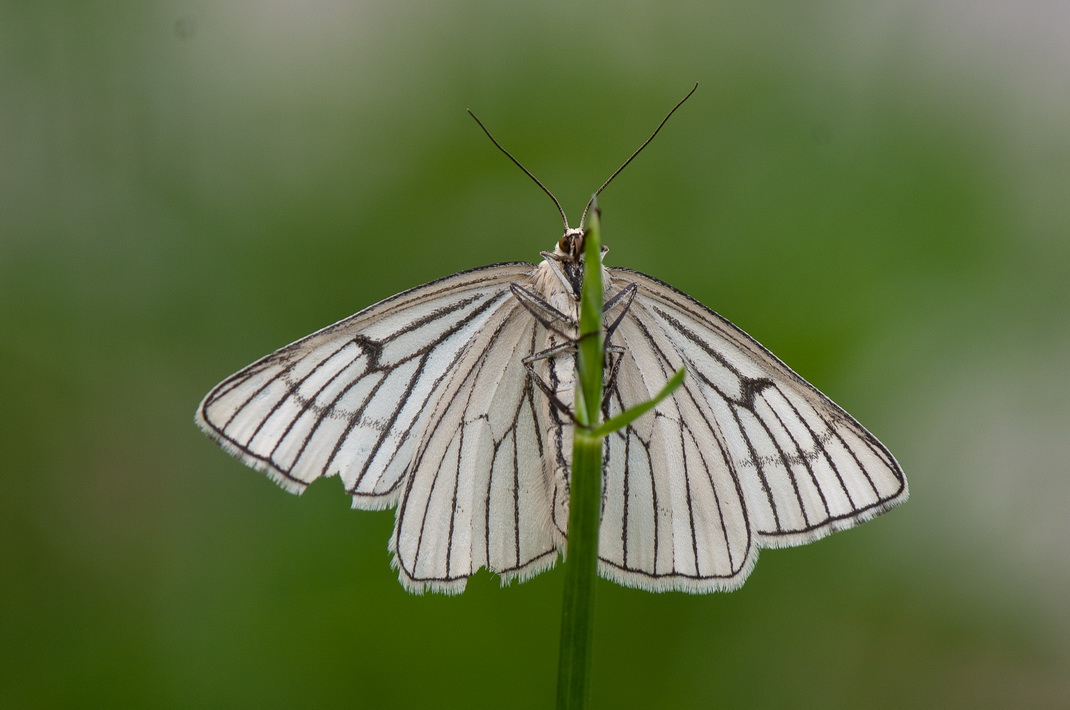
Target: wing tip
<point x="279" y="477"/>
<point x="835" y="525"/>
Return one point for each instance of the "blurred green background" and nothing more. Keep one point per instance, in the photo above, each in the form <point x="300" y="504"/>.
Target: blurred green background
<point x="878" y="191"/>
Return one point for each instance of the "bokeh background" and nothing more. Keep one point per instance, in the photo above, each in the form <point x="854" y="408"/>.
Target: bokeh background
<point x="878" y="191"/>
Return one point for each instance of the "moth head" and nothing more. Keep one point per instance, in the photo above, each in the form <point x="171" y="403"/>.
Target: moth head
<point x="570" y="246"/>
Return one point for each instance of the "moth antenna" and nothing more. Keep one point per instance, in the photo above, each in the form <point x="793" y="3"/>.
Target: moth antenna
<point x="632" y="156"/>
<point x="527" y="172"/>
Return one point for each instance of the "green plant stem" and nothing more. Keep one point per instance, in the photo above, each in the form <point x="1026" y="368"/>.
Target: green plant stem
<point x="585" y="488"/>
<point x="577" y="616"/>
<point x="585" y="497"/>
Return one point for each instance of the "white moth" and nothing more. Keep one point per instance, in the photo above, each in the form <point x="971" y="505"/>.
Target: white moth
<point x="446" y="401"/>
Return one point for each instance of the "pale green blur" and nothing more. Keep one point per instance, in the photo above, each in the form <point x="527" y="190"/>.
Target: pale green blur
<point x="877" y="191"/>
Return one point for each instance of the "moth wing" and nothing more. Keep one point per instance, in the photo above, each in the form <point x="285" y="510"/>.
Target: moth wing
<point x="351" y="399"/>
<point x="745" y="454"/>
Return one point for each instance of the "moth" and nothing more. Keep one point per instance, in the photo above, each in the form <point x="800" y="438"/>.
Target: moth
<point x="449" y="401"/>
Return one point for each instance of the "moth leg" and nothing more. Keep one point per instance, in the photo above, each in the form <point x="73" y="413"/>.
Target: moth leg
<point x="543" y="312"/>
<point x="548" y="390"/>
<point x="625" y="296"/>
<point x="550" y="317"/>
<point x="614" y="356"/>
<point x="550" y="352"/>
